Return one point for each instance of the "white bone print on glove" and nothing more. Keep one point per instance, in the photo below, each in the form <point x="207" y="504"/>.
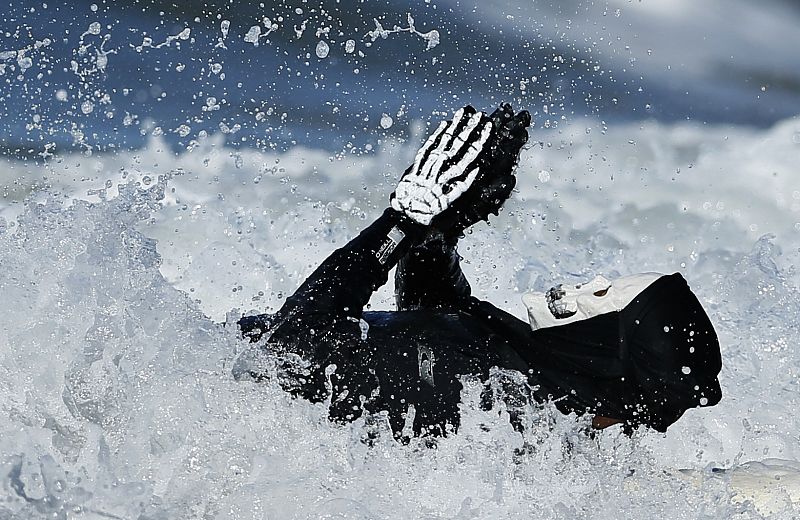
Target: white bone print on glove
<point x="444" y="168"/>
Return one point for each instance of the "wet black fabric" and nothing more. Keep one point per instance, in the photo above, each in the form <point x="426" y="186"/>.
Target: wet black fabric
<point x="646" y="364"/>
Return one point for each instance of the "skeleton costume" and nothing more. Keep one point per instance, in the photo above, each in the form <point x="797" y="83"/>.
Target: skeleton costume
<point x="641" y="350"/>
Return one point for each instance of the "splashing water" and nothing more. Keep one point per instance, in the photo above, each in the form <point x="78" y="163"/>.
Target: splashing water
<point x="116" y="397"/>
<point x="120" y="266"/>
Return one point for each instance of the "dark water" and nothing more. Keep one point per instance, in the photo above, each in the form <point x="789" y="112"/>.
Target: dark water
<point x="281" y="93"/>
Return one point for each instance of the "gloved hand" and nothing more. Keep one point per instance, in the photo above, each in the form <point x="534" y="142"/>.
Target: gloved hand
<point x="495" y="180"/>
<point x="444" y="168"/>
<point x="464" y="171"/>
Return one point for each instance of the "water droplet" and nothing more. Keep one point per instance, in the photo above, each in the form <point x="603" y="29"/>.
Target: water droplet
<point x="87" y="107"/>
<point x="386" y="121"/>
<point x="322" y="49"/>
<point x="349" y="46"/>
<point x="211" y="104"/>
<point x="93" y="7"/>
<point x="253" y="35"/>
<point x="94" y="28"/>
<point x="544" y="176"/>
<point x="686" y="370"/>
<point x="24" y="62"/>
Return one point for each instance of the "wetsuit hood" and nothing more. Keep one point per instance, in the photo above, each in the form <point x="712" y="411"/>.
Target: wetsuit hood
<point x="645" y="364"/>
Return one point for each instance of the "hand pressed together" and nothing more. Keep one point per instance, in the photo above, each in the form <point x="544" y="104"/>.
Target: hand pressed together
<point x="464" y="171"/>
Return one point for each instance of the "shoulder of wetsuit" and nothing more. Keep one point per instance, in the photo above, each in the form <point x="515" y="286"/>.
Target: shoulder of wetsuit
<point x="503" y="322"/>
<point x="513" y="333"/>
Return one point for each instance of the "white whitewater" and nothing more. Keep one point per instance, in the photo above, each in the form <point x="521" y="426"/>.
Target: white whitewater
<point x="115" y="393"/>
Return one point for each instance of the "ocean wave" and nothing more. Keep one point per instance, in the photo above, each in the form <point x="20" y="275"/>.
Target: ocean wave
<point x="118" y="270"/>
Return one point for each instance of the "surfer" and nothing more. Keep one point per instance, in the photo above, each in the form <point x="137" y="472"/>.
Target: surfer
<point x="639" y="350"/>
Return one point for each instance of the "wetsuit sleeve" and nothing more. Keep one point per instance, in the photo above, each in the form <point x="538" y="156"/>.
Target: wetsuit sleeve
<point x="319" y="322"/>
<point x="343" y="284"/>
<point x="430" y="276"/>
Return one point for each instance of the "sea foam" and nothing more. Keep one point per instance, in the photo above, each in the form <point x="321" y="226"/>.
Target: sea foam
<point x="119" y="270"/>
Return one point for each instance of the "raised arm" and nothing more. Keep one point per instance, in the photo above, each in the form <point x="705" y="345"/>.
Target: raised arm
<point x="343" y="284"/>
<point x="429" y="275"/>
<point x="454" y="170"/>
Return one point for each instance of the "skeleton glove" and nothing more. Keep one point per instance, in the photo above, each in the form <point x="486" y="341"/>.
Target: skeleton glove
<point x="464" y="171"/>
<point x="444" y="168"/>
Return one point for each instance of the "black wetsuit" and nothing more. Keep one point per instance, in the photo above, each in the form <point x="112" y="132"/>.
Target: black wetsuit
<point x="646" y="364"/>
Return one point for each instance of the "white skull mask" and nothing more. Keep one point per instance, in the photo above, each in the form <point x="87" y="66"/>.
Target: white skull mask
<point x="569" y="303"/>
